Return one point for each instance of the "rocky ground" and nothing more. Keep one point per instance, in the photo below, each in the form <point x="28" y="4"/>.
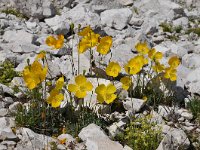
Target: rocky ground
<point x="171" y="26"/>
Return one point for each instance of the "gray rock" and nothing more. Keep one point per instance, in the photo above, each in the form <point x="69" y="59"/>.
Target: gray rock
<point x="127" y="148"/>
<point x="31" y="25"/>
<point x="191" y="61"/>
<point x="174" y="139"/>
<point x="8" y="100"/>
<point x="58" y="24"/>
<point x="18" y="36"/>
<point x="111" y="4"/>
<point x="9" y="143"/>
<point x="182" y="73"/>
<point x="68" y="137"/>
<point x="96" y="139"/>
<point x="2" y="104"/>
<point x="3" y="112"/>
<point x="116" y="128"/>
<point x="133" y="105"/>
<point x="183" y="22"/>
<point x="6" y="122"/>
<point x="157" y="118"/>
<point x="5" y="89"/>
<point x="48" y="8"/>
<point x="116" y="18"/>
<point x="14" y="107"/>
<point x="83" y="16"/>
<point x="193" y="81"/>
<point x="167" y="112"/>
<point x="61" y="147"/>
<point x="3" y="147"/>
<point x="126" y="2"/>
<point x="136" y="21"/>
<point x="7" y="134"/>
<point x="163" y="49"/>
<point x="185" y="114"/>
<point x="33" y="140"/>
<point x="37" y="9"/>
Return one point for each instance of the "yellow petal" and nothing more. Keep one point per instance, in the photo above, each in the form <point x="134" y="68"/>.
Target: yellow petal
<point x="72" y="88"/>
<point x="142" y="48"/>
<point x="41" y="55"/>
<point x="100" y="98"/>
<point x="110" y="98"/>
<point x="88" y="86"/>
<point x="60" y="83"/>
<point x="87" y="30"/>
<point x="126" y="82"/>
<point x="50" y="41"/>
<point x="111" y="89"/>
<point x="101" y="89"/>
<point x="80" y="80"/>
<point x="103" y="49"/>
<point x="158" y="55"/>
<point x="174" y="61"/>
<point x="80" y="94"/>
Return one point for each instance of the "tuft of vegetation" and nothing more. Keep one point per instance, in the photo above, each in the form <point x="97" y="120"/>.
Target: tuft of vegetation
<point x="194" y="107"/>
<point x="194" y="30"/>
<point x="41" y="118"/>
<point x="7" y="72"/>
<point x="14" y="12"/>
<point x="142" y="134"/>
<point x="168" y="27"/>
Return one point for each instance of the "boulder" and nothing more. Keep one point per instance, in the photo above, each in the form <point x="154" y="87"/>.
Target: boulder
<point x="116" y="18"/>
<point x="96" y="139"/>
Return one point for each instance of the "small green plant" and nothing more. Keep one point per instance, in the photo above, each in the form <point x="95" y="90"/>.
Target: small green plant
<point x="194" y="30"/>
<point x="166" y="27"/>
<point x="7" y="72"/>
<point x="142" y="134"/>
<point x="14" y="12"/>
<point x="194" y="107"/>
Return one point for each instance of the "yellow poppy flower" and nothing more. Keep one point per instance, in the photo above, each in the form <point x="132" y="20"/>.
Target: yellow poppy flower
<point x="141" y="59"/>
<point x="104" y="45"/>
<point x="55" y="43"/>
<point x="56" y="97"/>
<point x="145" y="98"/>
<point x="106" y="93"/>
<point x="113" y="69"/>
<point x="152" y="54"/>
<point x="87" y="30"/>
<point x="41" y="55"/>
<point x="34" y="74"/>
<point x="126" y="82"/>
<point x="158" y="67"/>
<point x="81" y="87"/>
<point x="84" y="44"/>
<point x="142" y="48"/>
<point x="174" y="62"/>
<point x="88" y="41"/>
<point x="135" y="64"/>
<point x="170" y="73"/>
<point x="59" y="83"/>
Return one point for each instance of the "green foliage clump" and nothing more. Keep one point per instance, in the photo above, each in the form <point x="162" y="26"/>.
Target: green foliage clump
<point x="42" y="118"/>
<point x="14" y="12"/>
<point x="7" y="72"/>
<point x="142" y="134"/>
<point x="194" y="30"/>
<point x="168" y="27"/>
<point x="194" y="107"/>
